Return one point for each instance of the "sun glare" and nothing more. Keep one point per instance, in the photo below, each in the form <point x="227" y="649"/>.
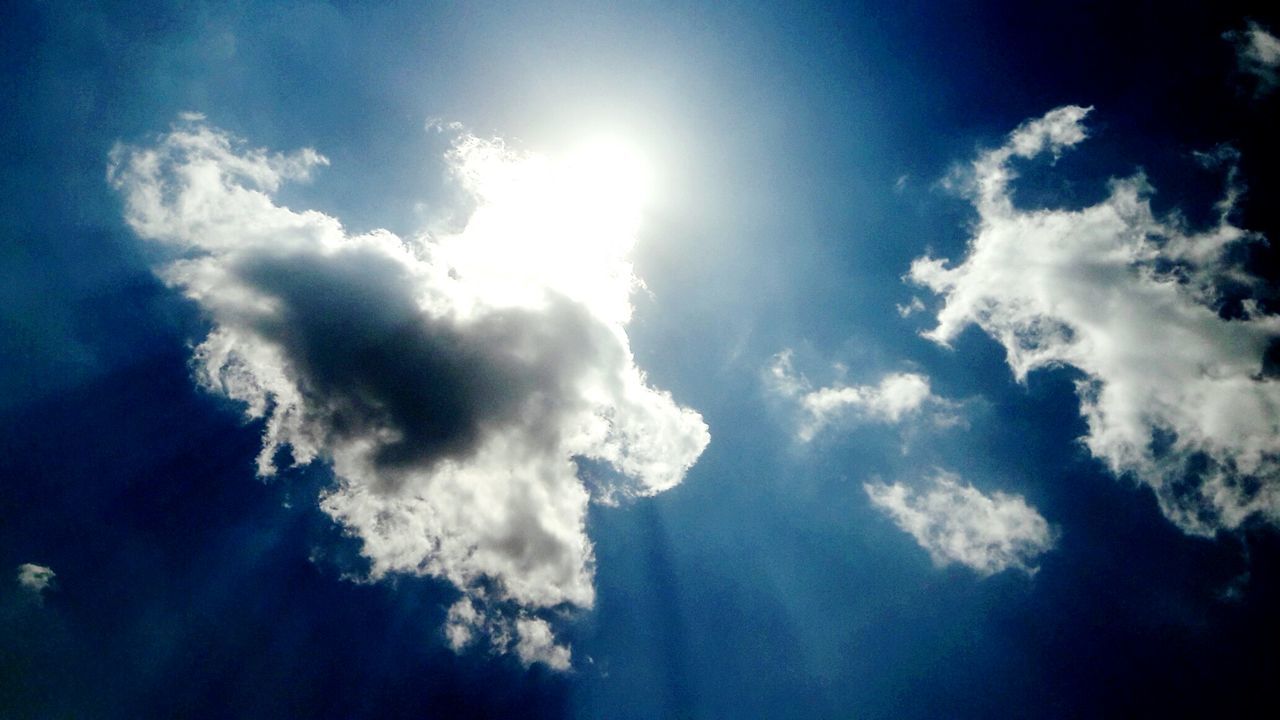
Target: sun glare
<point x="611" y="173"/>
<point x="563" y="224"/>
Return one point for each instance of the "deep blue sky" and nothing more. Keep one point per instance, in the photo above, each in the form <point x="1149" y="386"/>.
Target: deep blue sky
<point x="765" y="585"/>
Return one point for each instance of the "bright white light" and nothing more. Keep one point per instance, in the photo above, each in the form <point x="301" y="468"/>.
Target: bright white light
<point x="610" y="175"/>
<point x="552" y="225"/>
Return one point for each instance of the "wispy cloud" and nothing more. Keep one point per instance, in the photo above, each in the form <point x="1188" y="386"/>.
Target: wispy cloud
<point x="1173" y="392"/>
<point x="957" y="523"/>
<point x="911" y="308"/>
<point x="895" y="398"/>
<point x="1258" y="53"/>
<point x="453" y="381"/>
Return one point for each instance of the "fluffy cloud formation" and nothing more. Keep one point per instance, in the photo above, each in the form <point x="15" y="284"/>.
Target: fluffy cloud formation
<point x="956" y="523"/>
<point x="35" y="579"/>
<point x="453" y="381"/>
<point x="896" y="397"/>
<point x="1173" y="392"/>
<point x="1258" y="53"/>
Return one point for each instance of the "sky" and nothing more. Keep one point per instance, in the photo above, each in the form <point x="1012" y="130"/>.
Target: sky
<point x="569" y="360"/>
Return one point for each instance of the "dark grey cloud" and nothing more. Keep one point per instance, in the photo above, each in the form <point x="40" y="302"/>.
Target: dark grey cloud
<point x="371" y="365"/>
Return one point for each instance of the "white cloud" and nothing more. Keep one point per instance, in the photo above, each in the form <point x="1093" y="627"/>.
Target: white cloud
<point x="916" y="305"/>
<point x="35" y="579"/>
<point x="956" y="523"/>
<point x="535" y="643"/>
<point x="896" y="397"/>
<point x="531" y="638"/>
<point x="453" y="381"/>
<point x="1172" y="392"/>
<point x="462" y="623"/>
<point x="1258" y="53"/>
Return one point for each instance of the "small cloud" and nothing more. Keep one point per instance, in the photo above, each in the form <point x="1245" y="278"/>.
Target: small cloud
<point x="536" y="643"/>
<point x="461" y="624"/>
<point x="1258" y="54"/>
<point x="916" y="305"/>
<point x="957" y="523"/>
<point x="895" y="398"/>
<point x="531" y="638"/>
<point x="35" y="579"/>
<point x="1234" y="590"/>
<point x="901" y="183"/>
<point x="442" y="126"/>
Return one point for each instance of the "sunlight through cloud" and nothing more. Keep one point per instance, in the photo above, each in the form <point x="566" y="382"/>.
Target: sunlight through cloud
<point x="455" y="382"/>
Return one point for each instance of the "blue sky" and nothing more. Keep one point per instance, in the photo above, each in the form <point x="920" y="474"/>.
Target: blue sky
<point x="948" y="391"/>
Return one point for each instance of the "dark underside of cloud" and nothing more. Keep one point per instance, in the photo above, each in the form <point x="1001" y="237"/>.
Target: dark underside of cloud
<point x="365" y="357"/>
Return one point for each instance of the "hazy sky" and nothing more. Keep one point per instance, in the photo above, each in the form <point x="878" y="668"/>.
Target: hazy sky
<point x="900" y="360"/>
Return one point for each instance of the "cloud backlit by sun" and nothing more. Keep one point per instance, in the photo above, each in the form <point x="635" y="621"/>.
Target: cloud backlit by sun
<point x="454" y="381"/>
<point x="547" y="225"/>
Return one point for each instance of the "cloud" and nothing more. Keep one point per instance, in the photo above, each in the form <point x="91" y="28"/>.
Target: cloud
<point x="529" y="637"/>
<point x="916" y="305"/>
<point x="1173" y="392"/>
<point x="462" y="623"/>
<point x="535" y="643"/>
<point x="895" y="398"/>
<point x="35" y="579"/>
<point x="956" y="523"/>
<point x="1258" y="53"/>
<point x="453" y="381"/>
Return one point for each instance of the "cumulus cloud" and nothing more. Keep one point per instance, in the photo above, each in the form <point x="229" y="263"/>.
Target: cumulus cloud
<point x="1155" y="316"/>
<point x="535" y="643"/>
<point x="957" y="523"/>
<point x="35" y="579"/>
<point x="529" y="637"/>
<point x="453" y="381"/>
<point x="895" y="398"/>
<point x="1258" y="53"/>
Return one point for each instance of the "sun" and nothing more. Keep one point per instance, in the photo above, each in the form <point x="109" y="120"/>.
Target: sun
<point x="609" y="173"/>
<point x="563" y="224"/>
